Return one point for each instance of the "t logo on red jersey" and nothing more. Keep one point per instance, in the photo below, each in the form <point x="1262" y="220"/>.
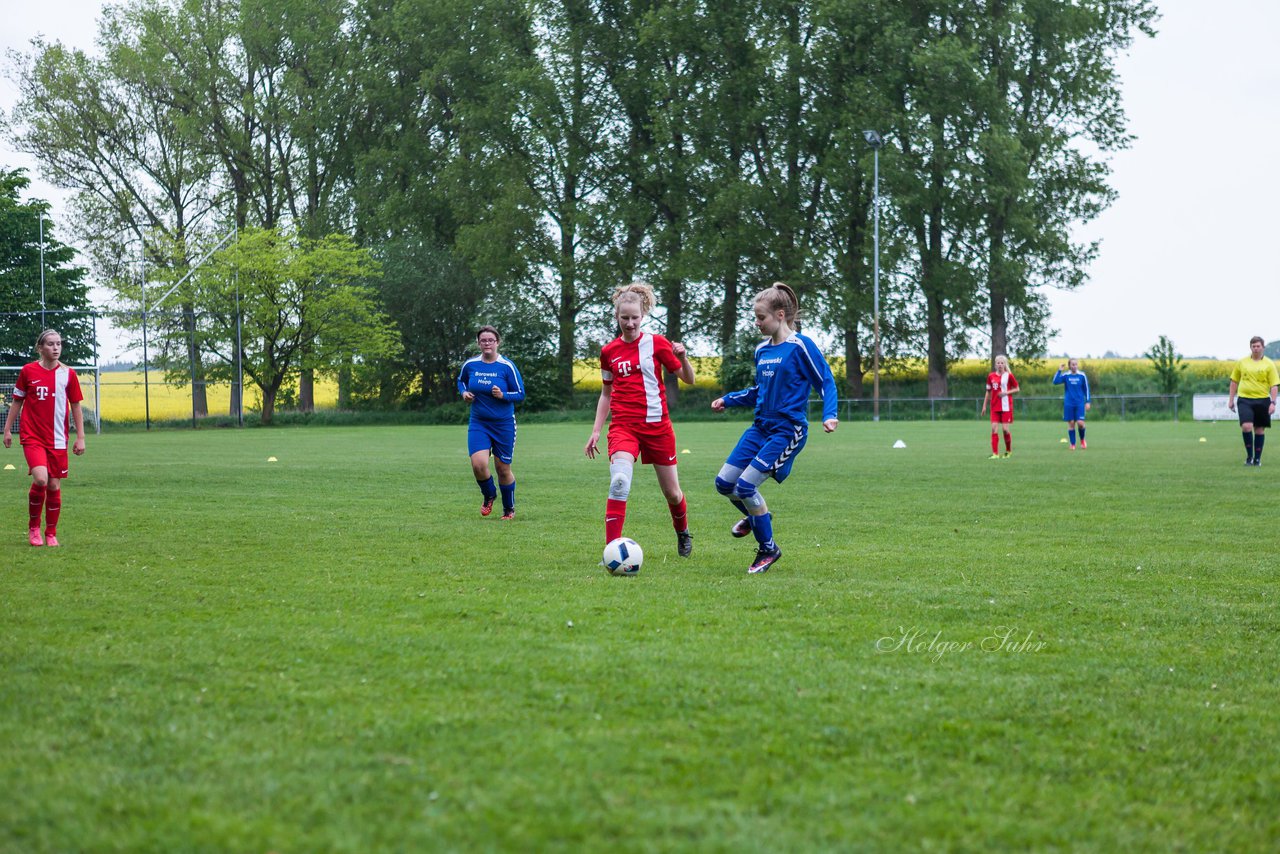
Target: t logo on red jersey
<point x="42" y="392"/>
<point x="623" y="367"/>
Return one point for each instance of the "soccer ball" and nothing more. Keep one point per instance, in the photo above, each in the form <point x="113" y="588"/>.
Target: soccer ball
<point x="623" y="556"/>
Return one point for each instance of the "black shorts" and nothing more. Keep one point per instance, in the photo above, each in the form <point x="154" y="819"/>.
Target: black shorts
<point x="1254" y="410"/>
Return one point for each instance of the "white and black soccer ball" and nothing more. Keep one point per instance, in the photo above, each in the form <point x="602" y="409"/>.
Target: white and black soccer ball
<point x="623" y="556"/>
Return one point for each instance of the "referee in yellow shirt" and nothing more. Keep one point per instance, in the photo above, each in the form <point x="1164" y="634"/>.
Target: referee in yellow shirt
<point x="1255" y="378"/>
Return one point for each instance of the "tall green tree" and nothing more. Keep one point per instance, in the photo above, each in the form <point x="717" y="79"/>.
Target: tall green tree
<point x="1168" y="365"/>
<point x="65" y="295"/>
<point x="102" y="127"/>
<point x="303" y="302"/>
<point x="1050" y="83"/>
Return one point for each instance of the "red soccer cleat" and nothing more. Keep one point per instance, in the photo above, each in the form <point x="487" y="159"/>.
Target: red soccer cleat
<point x="508" y="515"/>
<point x="1083" y="444"/>
<point x="487" y="507"/>
<point x="33" y="537"/>
<point x="51" y="540"/>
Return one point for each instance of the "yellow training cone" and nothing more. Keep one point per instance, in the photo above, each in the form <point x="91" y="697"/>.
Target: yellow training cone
<point x="272" y="460"/>
<point x="9" y="467"/>
<point x="1203" y="439"/>
<point x="1062" y="441"/>
<point x="685" y="451"/>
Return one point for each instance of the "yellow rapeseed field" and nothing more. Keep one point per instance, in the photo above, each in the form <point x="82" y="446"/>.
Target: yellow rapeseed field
<point x="124" y="396"/>
<point x="586" y="374"/>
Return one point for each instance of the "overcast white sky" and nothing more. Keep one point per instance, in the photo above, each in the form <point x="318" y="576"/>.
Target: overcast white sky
<point x="1183" y="248"/>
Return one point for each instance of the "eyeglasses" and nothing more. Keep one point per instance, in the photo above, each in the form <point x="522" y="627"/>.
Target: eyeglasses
<point x="488" y="340"/>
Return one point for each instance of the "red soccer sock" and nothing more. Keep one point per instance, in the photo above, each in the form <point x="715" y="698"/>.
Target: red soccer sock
<point x="995" y="443"/>
<point x="35" y="502"/>
<point x="679" y="515"/>
<point x="52" y="509"/>
<point x="1008" y="441"/>
<point x="615" y="515"/>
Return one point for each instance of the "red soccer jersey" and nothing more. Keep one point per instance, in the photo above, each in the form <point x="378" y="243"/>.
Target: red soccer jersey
<point x="996" y="383"/>
<point x="46" y="397"/>
<point x="634" y="371"/>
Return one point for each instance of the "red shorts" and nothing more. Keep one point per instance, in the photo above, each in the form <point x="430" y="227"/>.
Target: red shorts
<point x="1002" y="417"/>
<point x="38" y="456"/>
<point x="653" y="444"/>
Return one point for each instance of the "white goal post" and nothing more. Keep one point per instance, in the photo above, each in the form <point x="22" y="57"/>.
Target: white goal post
<point x="90" y="386"/>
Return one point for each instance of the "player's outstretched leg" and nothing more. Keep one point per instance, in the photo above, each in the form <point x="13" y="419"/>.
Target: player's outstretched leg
<point x="615" y="506"/>
<point x="35" y="506"/>
<point x="52" y="510"/>
<point x="725" y="487"/>
<point x="508" y="500"/>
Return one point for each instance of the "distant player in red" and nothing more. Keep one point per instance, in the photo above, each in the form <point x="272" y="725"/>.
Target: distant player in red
<point x="47" y="391"/>
<point x="1001" y="387"/>
<point x="632" y="391"/>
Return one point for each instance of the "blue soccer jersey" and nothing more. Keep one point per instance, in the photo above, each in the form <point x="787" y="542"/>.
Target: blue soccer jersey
<point x="479" y="377"/>
<point x="1077" y="387"/>
<point x="784" y="375"/>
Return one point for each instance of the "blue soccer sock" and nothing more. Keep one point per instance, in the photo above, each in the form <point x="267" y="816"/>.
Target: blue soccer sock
<point x="508" y="496"/>
<point x="762" y="527"/>
<point x="487" y="489"/>
<point x="1257" y="446"/>
<point x="1071" y="434"/>
<point x="1081" y="432"/>
<point x="1248" y="443"/>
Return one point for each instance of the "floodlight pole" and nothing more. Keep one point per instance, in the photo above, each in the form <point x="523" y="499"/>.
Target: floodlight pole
<point x="876" y="142"/>
<point x="43" y="323"/>
<point x="146" y="375"/>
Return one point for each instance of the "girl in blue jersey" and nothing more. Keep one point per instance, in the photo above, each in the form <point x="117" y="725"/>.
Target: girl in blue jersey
<point x="492" y="385"/>
<point x="1075" y="399"/>
<point x="788" y="365"/>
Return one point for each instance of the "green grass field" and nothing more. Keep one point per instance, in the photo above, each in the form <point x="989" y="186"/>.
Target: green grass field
<point x="334" y="652"/>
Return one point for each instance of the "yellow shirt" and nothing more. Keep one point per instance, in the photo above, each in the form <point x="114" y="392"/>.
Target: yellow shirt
<point x="1256" y="377"/>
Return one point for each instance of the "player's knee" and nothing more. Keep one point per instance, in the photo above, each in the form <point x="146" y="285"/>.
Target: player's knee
<point x="724" y="487"/>
<point x="746" y="492"/>
<point x="619" y="481"/>
<point x="40" y="478"/>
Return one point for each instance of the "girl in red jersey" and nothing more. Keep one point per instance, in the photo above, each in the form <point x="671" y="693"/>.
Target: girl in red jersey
<point x="632" y="391"/>
<point x="1001" y="387"/>
<point x="48" y="390"/>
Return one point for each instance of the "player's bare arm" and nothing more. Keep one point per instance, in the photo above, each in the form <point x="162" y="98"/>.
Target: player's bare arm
<point x="77" y="416"/>
<point x="602" y="412"/>
<point x="686" y="368"/>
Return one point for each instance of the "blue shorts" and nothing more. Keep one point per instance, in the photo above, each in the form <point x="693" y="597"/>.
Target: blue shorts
<point x="770" y="448"/>
<point x="496" y="436"/>
<point x="1073" y="412"/>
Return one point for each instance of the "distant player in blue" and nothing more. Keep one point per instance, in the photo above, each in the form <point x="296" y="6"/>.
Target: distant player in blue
<point x="492" y="385"/>
<point x="1075" y="399"/>
<point x="788" y="365"/>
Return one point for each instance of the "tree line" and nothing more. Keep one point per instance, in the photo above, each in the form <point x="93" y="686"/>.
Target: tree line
<point x="512" y="161"/>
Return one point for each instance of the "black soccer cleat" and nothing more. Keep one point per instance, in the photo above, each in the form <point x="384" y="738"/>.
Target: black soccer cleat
<point x="684" y="543"/>
<point x="765" y="558"/>
<point x="742" y="527"/>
